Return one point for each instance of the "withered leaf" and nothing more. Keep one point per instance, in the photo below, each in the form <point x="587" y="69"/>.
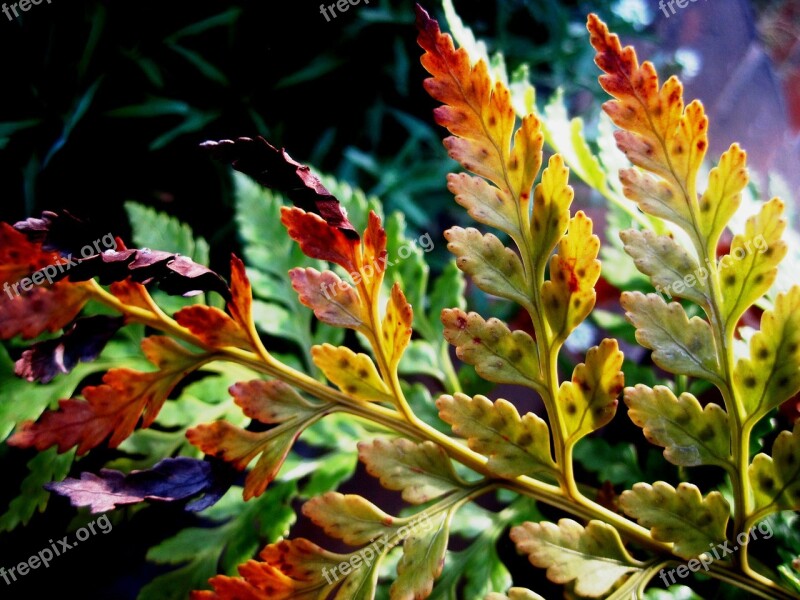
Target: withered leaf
<point x="83" y="342"/>
<point x="175" y="274"/>
<point x="59" y="231"/>
<point x="171" y="480"/>
<point x="277" y="170"/>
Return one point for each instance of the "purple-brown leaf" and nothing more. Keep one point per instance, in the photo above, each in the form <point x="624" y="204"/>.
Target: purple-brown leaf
<point x="171" y="480"/>
<point x="276" y="170"/>
<point x="83" y="342"/>
<point x="174" y="274"/>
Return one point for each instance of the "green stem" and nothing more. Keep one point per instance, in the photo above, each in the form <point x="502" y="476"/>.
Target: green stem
<point x="740" y="431"/>
<point x="452" y="384"/>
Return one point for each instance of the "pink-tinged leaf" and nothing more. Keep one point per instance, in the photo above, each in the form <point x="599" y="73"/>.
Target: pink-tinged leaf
<point x="272" y="402"/>
<point x="592" y="557"/>
<point x="497" y="353"/>
<point x="333" y="301"/>
<point x="171" y="480"/>
<point x="349" y="517"/>
<point x="423" y="558"/>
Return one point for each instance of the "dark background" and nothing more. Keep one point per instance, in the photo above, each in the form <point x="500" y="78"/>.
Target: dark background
<point x="105" y="102"/>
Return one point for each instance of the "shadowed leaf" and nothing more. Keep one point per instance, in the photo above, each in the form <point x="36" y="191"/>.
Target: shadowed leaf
<point x="213" y="327"/>
<point x="83" y="342"/>
<point x="681" y="516"/>
<point x="589" y="400"/>
<point x="174" y="274"/>
<point x="776" y="479"/>
<point x="592" y="557"/>
<point x="690" y="434"/>
<point x="350" y="518"/>
<point x="680" y="345"/>
<point x="61" y="232"/>
<point x="422" y="472"/>
<point x="497" y="353"/>
<point x="494" y="268"/>
<point x="515" y="445"/>
<point x="423" y="558"/>
<point x="771" y="374"/>
<point x="41" y="310"/>
<point x="355" y="374"/>
<point x="171" y="480"/>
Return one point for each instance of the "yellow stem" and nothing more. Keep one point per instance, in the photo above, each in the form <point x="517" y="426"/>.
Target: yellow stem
<point x="577" y="505"/>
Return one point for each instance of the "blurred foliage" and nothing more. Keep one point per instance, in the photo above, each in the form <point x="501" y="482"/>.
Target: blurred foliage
<point x="117" y="96"/>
